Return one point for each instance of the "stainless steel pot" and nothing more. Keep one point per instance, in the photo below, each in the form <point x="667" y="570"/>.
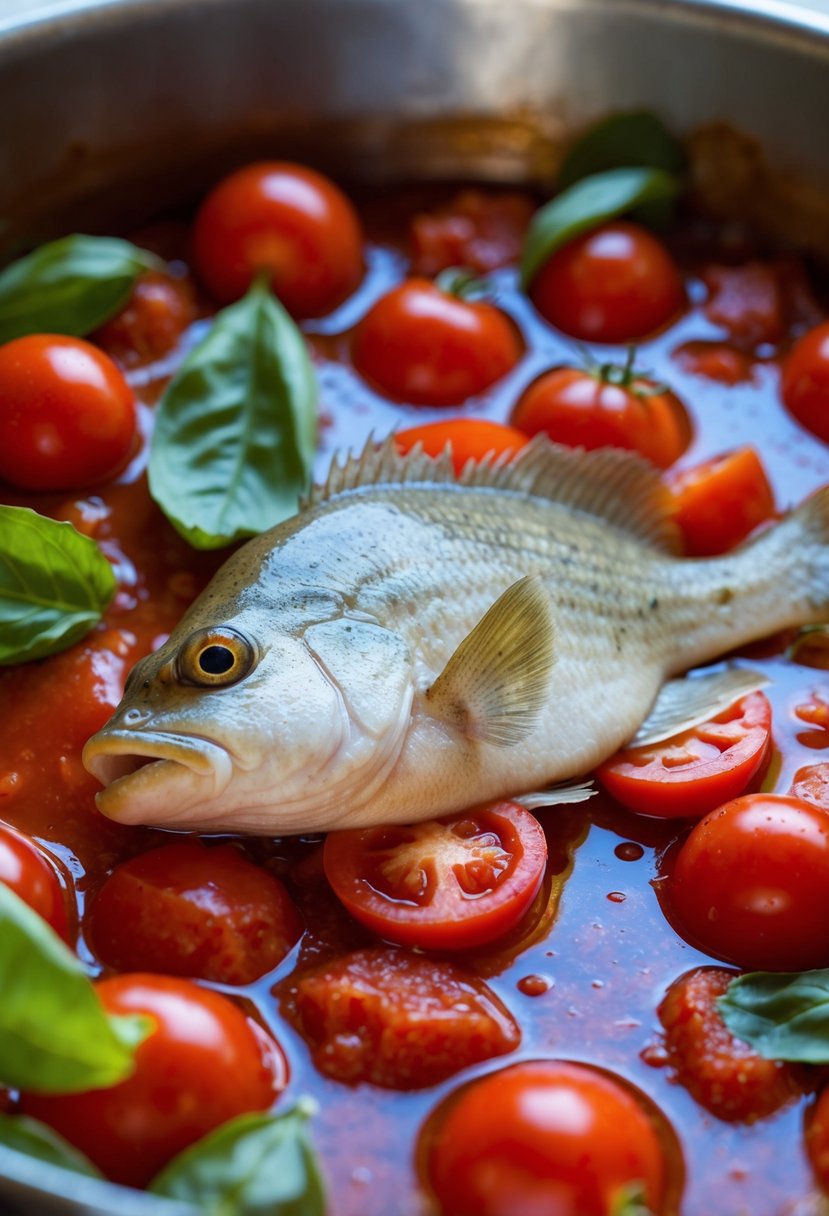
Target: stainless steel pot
<point x="109" y="106"/>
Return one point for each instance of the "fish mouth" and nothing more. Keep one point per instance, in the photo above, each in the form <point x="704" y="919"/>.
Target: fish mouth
<point x="153" y="778"/>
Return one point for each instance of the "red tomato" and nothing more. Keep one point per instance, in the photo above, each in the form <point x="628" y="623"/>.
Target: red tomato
<point x="718" y="503"/>
<point x="204" y="1063"/>
<point x="692" y="773"/>
<point x="715" y="361"/>
<point x="751" y="884"/>
<point x="26" y="871"/>
<point x="444" y="884"/>
<point x="582" y="409"/>
<point x="390" y="1018"/>
<point x="469" y="438"/>
<point x="476" y="229"/>
<point x="748" y="301"/>
<point x="617" y="283"/>
<point x="812" y="785"/>
<point x="722" y="1073"/>
<point x="67" y="415"/>
<point x="185" y="909"/>
<point x="805" y="385"/>
<point x="545" y="1137"/>
<point x="422" y="345"/>
<point x="284" y="219"/>
<point x="151" y="322"/>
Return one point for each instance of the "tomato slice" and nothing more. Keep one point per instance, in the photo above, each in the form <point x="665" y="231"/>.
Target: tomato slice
<point x="719" y="502"/>
<point x="694" y="772"/>
<point x="443" y="884"/>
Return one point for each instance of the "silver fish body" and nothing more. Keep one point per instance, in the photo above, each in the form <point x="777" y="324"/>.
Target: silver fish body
<point x="411" y="644"/>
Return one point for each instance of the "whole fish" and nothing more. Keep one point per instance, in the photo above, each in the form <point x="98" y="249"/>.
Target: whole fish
<point x="414" y="643"/>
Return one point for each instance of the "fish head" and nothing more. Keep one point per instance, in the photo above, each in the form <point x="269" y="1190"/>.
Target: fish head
<point x="231" y="728"/>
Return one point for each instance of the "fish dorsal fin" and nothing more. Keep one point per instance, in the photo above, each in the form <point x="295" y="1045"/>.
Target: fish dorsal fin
<point x="495" y="683"/>
<point x="684" y="703"/>
<point x="616" y="486"/>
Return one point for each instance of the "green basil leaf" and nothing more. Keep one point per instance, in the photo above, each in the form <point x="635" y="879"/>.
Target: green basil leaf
<point x="631" y="1201"/>
<point x="54" y="1034"/>
<point x="36" y="1139"/>
<point x="634" y="140"/>
<point x="256" y="1165"/>
<point x="587" y="204"/>
<point x="54" y="585"/>
<point x="70" y="286"/>
<point x="783" y="1015"/>
<point x="235" y="432"/>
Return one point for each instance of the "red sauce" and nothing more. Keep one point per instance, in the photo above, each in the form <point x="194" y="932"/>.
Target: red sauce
<point x="587" y="971"/>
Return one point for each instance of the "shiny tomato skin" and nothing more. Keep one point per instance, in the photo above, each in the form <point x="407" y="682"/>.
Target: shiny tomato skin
<point x="423" y="346"/>
<point x="541" y="1137"/>
<point x="617" y="283"/>
<point x="579" y="409"/>
<point x="470" y="439"/>
<point x="204" y="1063"/>
<point x="720" y="502"/>
<point x="443" y="884"/>
<point x="812" y="785"/>
<point x="185" y="909"/>
<point x="722" y="1073"/>
<point x="696" y="771"/>
<point x="25" y="870"/>
<point x="805" y="383"/>
<point x="284" y="219"/>
<point x="395" y="1019"/>
<point x="751" y="884"/>
<point x="67" y="415"/>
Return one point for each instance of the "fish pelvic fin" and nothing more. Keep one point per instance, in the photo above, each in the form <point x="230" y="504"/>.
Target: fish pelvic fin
<point x="617" y="486"/>
<point x="684" y="703"/>
<point x="564" y="794"/>
<point x="494" y="685"/>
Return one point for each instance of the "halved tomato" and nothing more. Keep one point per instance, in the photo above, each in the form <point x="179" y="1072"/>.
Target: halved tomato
<point x="444" y="884"/>
<point x="692" y="773"/>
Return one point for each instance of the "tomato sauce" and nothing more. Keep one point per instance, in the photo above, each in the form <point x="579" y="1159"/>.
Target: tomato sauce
<point x="584" y="972"/>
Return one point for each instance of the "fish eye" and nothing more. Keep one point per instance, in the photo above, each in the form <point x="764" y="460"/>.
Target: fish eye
<point x="215" y="658"/>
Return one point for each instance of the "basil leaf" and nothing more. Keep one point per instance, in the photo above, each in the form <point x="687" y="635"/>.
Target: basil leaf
<point x="587" y="204"/>
<point x="36" y="1139"/>
<point x="235" y="432"/>
<point x="54" y="1035"/>
<point x="631" y="1201"/>
<point x="54" y="585"/>
<point x="784" y="1016"/>
<point x="634" y="140"/>
<point x="256" y="1165"/>
<point x="70" y="286"/>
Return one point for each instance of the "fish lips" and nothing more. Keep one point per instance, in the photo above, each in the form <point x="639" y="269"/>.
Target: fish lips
<point x="152" y="778"/>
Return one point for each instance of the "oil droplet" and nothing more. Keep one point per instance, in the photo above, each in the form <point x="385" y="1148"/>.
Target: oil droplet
<point x="616" y="897"/>
<point x="629" y="851"/>
<point x="534" y="985"/>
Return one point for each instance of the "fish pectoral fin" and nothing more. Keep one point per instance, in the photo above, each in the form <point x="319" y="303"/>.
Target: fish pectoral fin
<point x="495" y="683"/>
<point x="684" y="703"/>
<point x="557" y="795"/>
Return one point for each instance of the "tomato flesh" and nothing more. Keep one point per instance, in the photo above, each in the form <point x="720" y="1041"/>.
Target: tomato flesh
<point x="469" y="439"/>
<point x="545" y="1137"/>
<point x="444" y="884"/>
<point x="694" y="772"/>
<point x="719" y="503"/>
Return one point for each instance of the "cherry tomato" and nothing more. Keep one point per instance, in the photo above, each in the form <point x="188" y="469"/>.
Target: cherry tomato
<point x="422" y="345"/>
<point x="805" y="385"/>
<point x="151" y="322"/>
<point x="812" y="785"/>
<point x="26" y="871"/>
<point x="721" y="1072"/>
<point x="617" y="283"/>
<point x="476" y="228"/>
<point x="718" y="503"/>
<point x="284" y="219"/>
<point x="393" y="1019"/>
<point x="469" y="438"/>
<point x="204" y="1062"/>
<point x="185" y="909"/>
<point x="582" y="409"/>
<point x="444" y="884"/>
<point x="751" y="884"/>
<point x="696" y="771"/>
<point x="67" y="415"/>
<point x="545" y="1137"/>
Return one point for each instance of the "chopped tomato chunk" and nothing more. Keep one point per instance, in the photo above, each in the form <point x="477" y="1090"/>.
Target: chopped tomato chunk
<point x="397" y="1020"/>
<point x="469" y="439"/>
<point x="478" y="229"/>
<point x="715" y="361"/>
<point x="151" y="322"/>
<point x="747" y="301"/>
<point x="718" y="503"/>
<point x="721" y="1072"/>
<point x="812" y="785"/>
